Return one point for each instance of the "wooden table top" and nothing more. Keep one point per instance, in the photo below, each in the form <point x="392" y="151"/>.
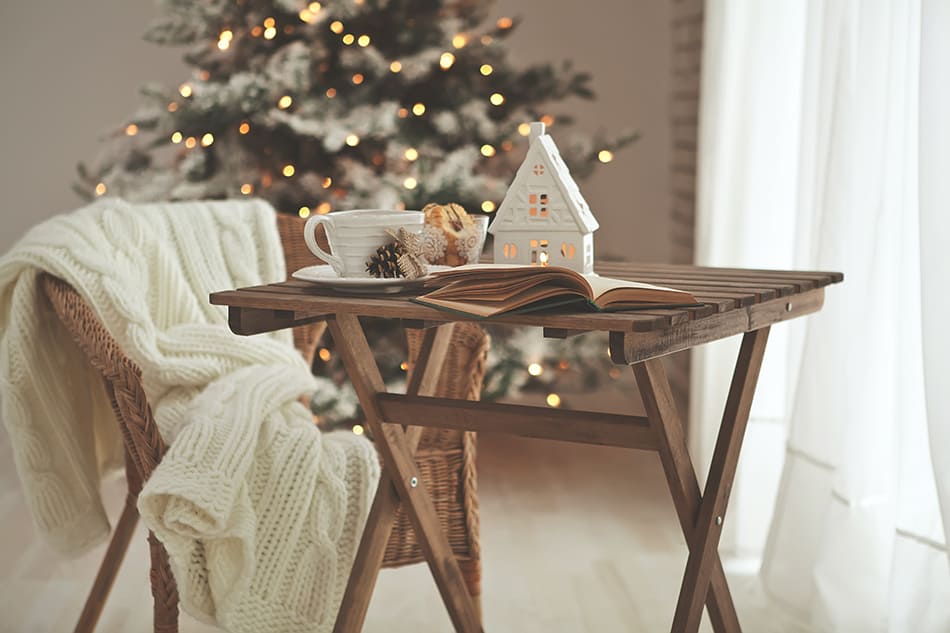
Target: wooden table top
<point x="734" y="301"/>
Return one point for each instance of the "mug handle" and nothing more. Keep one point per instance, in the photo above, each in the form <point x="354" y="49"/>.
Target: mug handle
<point x="309" y="237"/>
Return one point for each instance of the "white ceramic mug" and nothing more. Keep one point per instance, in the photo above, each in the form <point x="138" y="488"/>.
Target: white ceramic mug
<point x="355" y="235"/>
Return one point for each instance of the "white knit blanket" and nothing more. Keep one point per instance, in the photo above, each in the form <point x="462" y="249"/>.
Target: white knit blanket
<point x="260" y="513"/>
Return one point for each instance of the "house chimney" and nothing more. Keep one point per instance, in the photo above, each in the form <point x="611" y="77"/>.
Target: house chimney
<point x="537" y="129"/>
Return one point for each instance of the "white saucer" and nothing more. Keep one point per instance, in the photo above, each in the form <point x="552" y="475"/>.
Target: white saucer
<point x="325" y="276"/>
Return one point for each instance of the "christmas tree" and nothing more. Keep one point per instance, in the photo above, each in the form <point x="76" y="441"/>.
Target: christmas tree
<point x="345" y="104"/>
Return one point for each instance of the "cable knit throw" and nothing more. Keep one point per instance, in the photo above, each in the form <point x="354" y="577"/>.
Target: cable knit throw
<point x="260" y="513"/>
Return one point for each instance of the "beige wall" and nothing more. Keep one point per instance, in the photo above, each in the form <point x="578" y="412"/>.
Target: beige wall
<point x="71" y="71"/>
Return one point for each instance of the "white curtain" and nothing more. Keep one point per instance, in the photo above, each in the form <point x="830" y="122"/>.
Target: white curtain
<point x="826" y="145"/>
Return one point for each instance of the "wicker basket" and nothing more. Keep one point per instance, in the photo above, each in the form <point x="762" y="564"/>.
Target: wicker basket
<point x="446" y="459"/>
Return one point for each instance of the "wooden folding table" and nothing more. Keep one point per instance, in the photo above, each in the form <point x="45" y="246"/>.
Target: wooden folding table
<point x="735" y="301"/>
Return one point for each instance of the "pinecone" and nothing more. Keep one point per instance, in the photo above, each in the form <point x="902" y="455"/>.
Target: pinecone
<point x="385" y="263"/>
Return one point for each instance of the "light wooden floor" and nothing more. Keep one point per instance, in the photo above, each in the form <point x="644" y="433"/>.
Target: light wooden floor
<point x="574" y="538"/>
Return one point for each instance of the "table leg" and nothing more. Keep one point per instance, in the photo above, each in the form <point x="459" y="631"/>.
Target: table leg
<point x="423" y="380"/>
<point x="701" y="516"/>
<point x="399" y="483"/>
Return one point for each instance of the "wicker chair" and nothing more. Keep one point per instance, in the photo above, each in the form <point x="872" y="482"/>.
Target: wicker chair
<point x="446" y="459"/>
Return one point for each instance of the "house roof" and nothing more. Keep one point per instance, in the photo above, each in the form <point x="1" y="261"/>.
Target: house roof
<point x="543" y="149"/>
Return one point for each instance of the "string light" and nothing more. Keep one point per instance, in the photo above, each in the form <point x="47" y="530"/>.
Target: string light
<point x="403" y="113"/>
<point x="535" y="369"/>
<point x="505" y="23"/>
<point x="548" y="120"/>
<point x="349" y="38"/>
<point x="357" y="429"/>
<point x="410" y="183"/>
<point x="352" y="140"/>
<point x="419" y="109"/>
<point x="224" y="40"/>
<point x="244" y="128"/>
<point x="507" y="146"/>
<point x="336" y="26"/>
<point x="304" y="212"/>
<point x="331" y="92"/>
<point x="247" y="189"/>
<point x="256" y="31"/>
<point x="204" y="75"/>
<point x="176" y="137"/>
<point x="605" y="156"/>
<point x="486" y="39"/>
<point x="173" y="106"/>
<point x="285" y="102"/>
<point x="100" y="189"/>
<point x="553" y="400"/>
<point x="488" y="151"/>
<point x="563" y="364"/>
<point x="131" y="129"/>
<point x="459" y="41"/>
<point x="270" y="33"/>
<point x="524" y="129"/>
<point x="315" y="7"/>
<point x="614" y="373"/>
<point x="288" y="170"/>
<point x="185" y="90"/>
<point x="488" y="206"/>
<point x="324" y="354"/>
<point x="543" y="258"/>
<point x="327" y="182"/>
<point x="363" y="41"/>
<point x="270" y="23"/>
<point x="323" y="208"/>
<point x="395" y="67"/>
<point x="207" y="139"/>
<point x="411" y="154"/>
<point x="497" y="99"/>
<point x="191" y="142"/>
<point x="404" y="365"/>
<point x="486" y="69"/>
<point x="358" y="78"/>
<point x="446" y="61"/>
<point x="308" y="16"/>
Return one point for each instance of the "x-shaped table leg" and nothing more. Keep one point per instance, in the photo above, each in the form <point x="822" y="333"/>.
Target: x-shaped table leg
<point x="701" y="517"/>
<point x="399" y="482"/>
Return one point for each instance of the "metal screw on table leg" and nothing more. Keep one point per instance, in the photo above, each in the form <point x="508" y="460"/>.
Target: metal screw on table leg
<point x="413" y="482"/>
<point x="719" y="520"/>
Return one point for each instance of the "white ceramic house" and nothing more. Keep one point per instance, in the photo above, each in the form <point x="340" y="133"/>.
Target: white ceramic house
<point x="544" y="219"/>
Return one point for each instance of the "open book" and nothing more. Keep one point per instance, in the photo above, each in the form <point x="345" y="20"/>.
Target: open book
<point x="486" y="290"/>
